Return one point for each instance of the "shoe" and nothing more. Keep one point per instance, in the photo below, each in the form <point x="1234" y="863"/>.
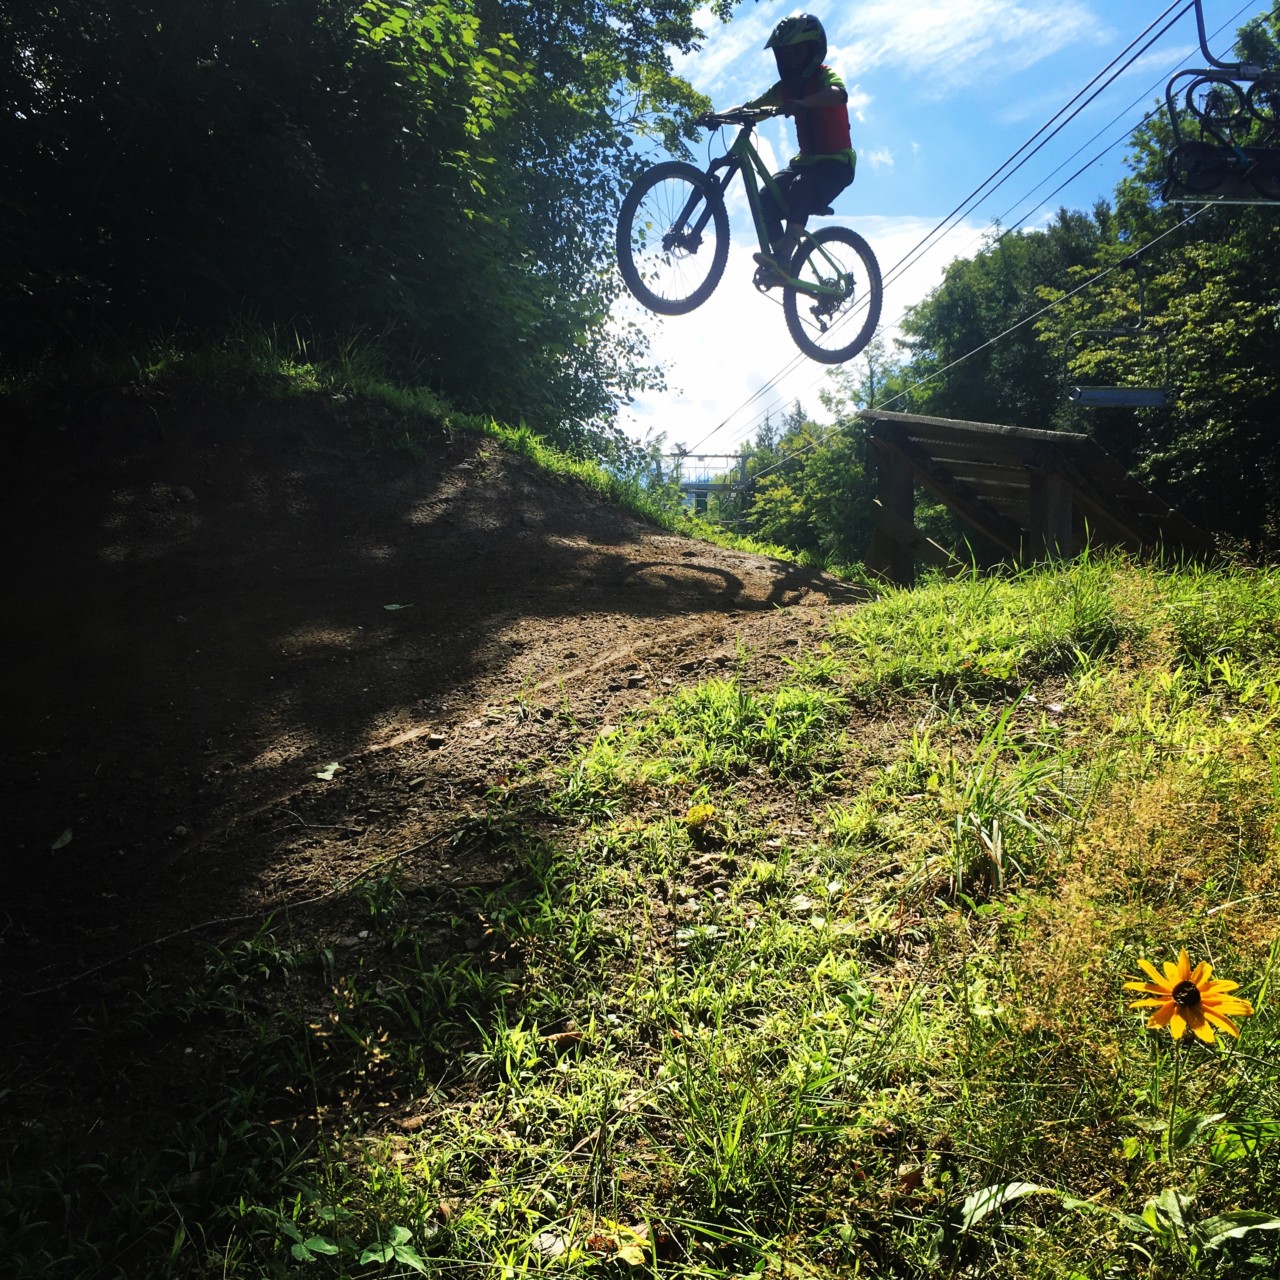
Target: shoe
<point x="784" y="248"/>
<point x="769" y="271"/>
<point x="775" y="266"/>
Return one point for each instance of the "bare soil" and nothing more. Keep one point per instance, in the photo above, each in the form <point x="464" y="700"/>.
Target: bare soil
<point x="210" y="606"/>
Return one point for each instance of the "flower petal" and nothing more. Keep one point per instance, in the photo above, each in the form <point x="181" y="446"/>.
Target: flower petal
<point x="1162" y="1015"/>
<point x="1150" y="1004"/>
<point x="1149" y="987"/>
<point x="1201" y="973"/>
<point x="1222" y="984"/>
<point x="1152" y="972"/>
<point x="1184" y="967"/>
<point x="1224" y="1023"/>
<point x="1171" y="974"/>
<point x="1204" y="1031"/>
<point x="1228" y="1004"/>
<point x="1177" y="1024"/>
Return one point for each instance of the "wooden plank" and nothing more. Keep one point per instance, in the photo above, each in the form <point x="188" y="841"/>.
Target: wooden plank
<point x="959" y="429"/>
<point x="1002" y="531"/>
<point x="1003" y="477"/>
<point x="1011" y="453"/>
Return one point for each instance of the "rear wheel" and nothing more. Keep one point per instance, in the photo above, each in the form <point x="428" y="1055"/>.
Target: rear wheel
<point x="673" y="238"/>
<point x="834" y="326"/>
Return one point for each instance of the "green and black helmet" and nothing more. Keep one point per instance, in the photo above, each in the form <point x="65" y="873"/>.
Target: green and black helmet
<point x="799" y="45"/>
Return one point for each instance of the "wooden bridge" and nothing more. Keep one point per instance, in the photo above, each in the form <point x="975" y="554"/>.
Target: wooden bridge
<point x="1036" y="495"/>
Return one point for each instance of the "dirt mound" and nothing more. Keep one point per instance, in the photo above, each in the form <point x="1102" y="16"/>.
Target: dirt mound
<point x="205" y="623"/>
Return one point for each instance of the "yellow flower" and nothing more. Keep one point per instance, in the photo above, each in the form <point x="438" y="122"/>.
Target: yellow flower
<point x="1184" y="997"/>
<point x="700" y="815"/>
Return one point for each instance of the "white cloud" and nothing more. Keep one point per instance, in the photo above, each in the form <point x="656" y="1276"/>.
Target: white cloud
<point x="859" y="101"/>
<point x="725" y="44"/>
<point x="949" y="44"/>
<point x="881" y="158"/>
<point x="732" y="360"/>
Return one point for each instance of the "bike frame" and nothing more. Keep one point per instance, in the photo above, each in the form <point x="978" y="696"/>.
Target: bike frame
<point x="743" y="158"/>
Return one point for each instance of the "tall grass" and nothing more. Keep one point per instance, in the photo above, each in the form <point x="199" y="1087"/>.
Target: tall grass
<point x="812" y="981"/>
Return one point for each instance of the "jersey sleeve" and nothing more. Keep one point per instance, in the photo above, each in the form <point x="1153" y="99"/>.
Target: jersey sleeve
<point x="772" y="97"/>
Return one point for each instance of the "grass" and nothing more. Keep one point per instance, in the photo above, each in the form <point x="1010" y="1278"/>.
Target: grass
<point x="384" y="404"/>
<point x="821" y="980"/>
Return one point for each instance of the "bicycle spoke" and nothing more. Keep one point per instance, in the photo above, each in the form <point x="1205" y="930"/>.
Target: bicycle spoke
<point x="835" y="309"/>
<point x="673" y="238"/>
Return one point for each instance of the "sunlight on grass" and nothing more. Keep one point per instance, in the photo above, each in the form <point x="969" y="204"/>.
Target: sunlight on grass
<point x="812" y="981"/>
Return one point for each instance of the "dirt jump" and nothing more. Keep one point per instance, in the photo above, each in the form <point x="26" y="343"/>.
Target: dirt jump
<point x="246" y="661"/>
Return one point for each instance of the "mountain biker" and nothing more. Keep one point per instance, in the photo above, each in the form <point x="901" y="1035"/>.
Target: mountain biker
<point x="816" y="97"/>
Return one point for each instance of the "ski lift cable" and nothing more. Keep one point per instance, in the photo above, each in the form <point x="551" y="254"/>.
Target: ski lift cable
<point x="914" y="255"/>
<point x="981" y="191"/>
<point x="990" y="342"/>
<point x="756" y="421"/>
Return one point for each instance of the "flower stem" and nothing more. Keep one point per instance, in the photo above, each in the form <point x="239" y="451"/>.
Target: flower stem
<point x="1173" y="1100"/>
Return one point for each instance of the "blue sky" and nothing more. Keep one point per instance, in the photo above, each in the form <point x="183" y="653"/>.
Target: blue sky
<point x="942" y="93"/>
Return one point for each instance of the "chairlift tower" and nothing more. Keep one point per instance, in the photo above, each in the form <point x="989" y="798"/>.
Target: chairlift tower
<point x="705" y="476"/>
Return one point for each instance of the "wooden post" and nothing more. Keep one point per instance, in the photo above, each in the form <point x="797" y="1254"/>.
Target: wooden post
<point x="888" y="556"/>
<point x="1051" y="533"/>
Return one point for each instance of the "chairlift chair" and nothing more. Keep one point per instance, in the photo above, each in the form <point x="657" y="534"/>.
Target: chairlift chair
<point x="1095" y="396"/>
<point x="1235" y="108"/>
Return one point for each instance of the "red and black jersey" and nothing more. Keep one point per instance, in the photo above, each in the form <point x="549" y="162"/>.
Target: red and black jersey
<point x="823" y="132"/>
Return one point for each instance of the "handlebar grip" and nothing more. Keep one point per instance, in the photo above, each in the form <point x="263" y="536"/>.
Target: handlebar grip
<point x="742" y="115"/>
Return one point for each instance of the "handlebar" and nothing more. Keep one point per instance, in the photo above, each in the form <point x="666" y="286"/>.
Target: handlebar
<point x="736" y="116"/>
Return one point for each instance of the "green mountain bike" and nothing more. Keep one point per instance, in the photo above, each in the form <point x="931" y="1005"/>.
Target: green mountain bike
<point x="673" y="244"/>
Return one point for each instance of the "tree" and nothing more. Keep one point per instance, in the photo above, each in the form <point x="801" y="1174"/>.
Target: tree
<point x="968" y="358"/>
<point x="439" y="174"/>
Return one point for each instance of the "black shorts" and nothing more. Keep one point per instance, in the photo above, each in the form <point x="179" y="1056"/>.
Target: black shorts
<point x="806" y="189"/>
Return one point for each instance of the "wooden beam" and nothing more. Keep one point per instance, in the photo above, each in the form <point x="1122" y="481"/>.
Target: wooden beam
<point x="939" y="482"/>
<point x="965" y="430"/>
<point x="892" y="556"/>
<point x="921" y="546"/>
<point x="1052" y="516"/>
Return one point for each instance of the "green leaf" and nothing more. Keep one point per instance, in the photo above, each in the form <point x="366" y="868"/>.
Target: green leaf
<point x="988" y="1200"/>
<point x="1231" y="1226"/>
<point x="320" y="1244"/>
<point x="63" y="840"/>
<point x="377" y="1253"/>
<point x="409" y="1256"/>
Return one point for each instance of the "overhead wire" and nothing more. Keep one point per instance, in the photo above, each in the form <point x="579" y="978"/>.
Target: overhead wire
<point x="985" y="188"/>
<point x="757" y="421"/>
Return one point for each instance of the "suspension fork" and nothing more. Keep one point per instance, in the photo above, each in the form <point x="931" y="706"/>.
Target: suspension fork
<point x="730" y="164"/>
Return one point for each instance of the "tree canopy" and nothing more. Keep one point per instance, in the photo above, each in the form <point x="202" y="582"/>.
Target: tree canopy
<point x="440" y="175"/>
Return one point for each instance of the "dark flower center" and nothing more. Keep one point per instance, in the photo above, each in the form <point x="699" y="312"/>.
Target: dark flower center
<point x="1186" y="995"/>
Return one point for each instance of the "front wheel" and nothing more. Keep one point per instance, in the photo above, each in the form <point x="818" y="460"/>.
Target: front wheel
<point x="835" y="321"/>
<point x="673" y="238"/>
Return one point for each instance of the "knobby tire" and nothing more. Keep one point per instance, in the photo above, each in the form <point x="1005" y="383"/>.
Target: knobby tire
<point x="684" y="265"/>
<point x="796" y="306"/>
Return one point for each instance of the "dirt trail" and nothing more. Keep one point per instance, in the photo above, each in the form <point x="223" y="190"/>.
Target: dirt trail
<point x="199" y="626"/>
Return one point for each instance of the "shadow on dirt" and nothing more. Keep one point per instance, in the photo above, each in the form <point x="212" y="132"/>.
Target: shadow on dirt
<point x="210" y="615"/>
